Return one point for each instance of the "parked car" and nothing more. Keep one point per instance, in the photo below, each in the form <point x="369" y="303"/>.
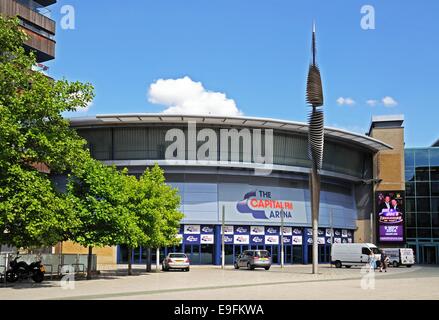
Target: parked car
<point x="252" y="259"/>
<point x="353" y="254"/>
<point x="400" y="257"/>
<point x="176" y="261"/>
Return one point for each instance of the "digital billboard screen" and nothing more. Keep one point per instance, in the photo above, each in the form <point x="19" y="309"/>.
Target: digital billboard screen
<point x="390" y="216"/>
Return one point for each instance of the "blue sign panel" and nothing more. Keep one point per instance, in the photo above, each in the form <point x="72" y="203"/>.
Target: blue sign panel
<point x="257" y="240"/>
<point x="191" y="239"/>
<point x="206" y="229"/>
<point x="272" y="230"/>
<point x="228" y="239"/>
<point x="242" y="229"/>
<point x="288" y="239"/>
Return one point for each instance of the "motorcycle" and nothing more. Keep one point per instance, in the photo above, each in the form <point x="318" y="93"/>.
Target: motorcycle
<point x="21" y="271"/>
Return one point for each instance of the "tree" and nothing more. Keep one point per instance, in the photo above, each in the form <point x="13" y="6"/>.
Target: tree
<point x="157" y="209"/>
<point x="33" y="131"/>
<point x="100" y="196"/>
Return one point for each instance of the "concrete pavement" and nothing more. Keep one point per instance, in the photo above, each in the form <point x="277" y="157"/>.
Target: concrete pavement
<point x="212" y="283"/>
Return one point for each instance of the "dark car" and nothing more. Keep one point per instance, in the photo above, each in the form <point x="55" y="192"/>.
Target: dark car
<point x="252" y="259"/>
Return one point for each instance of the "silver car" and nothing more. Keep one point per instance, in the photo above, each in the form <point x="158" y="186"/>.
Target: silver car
<point x="252" y="259"/>
<point x="176" y="261"/>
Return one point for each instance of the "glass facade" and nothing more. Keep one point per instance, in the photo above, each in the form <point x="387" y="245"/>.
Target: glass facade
<point x="141" y="143"/>
<point x="422" y="203"/>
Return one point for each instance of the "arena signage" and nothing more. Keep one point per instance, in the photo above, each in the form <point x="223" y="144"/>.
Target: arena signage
<point x="261" y="205"/>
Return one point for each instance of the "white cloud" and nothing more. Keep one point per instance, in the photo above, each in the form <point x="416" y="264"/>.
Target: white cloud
<point x="345" y="101"/>
<point x="86" y="108"/>
<point x="372" y="102"/>
<point x="389" y="102"/>
<point x="185" y="96"/>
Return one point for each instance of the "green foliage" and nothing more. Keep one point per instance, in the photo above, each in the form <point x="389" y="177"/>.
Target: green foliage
<point x="157" y="206"/>
<point x="100" y="195"/>
<point x="32" y="130"/>
<point x="103" y="206"/>
<point x="32" y="213"/>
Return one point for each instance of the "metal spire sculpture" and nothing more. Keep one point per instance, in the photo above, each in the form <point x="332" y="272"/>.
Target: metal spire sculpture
<point x="314" y="97"/>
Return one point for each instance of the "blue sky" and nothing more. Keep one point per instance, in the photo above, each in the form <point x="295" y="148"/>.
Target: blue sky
<point x="257" y="53"/>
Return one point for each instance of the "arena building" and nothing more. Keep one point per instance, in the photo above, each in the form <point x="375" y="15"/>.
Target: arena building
<point x="215" y="162"/>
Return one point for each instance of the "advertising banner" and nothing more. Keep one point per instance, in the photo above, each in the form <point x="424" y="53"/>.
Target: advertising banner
<point x="287" y="231"/>
<point x="390" y="216"/>
<point x="228" y="229"/>
<point x="257" y="230"/>
<point x="241" y="239"/>
<point x="228" y="239"/>
<point x="287" y="240"/>
<point x="271" y="240"/>
<point x="192" y="229"/>
<point x="207" y="230"/>
<point x="242" y="229"/>
<point x="297" y="240"/>
<point x="272" y="230"/>
<point x="329" y="233"/>
<point x="191" y="238"/>
<point x="207" y="239"/>
<point x="256" y="240"/>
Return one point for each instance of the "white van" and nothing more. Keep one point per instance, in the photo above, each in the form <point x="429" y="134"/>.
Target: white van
<point x="400" y="256"/>
<point x="353" y="254"/>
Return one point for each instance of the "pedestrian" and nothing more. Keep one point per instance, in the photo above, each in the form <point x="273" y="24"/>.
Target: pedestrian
<point x="383" y="262"/>
<point x="372" y="261"/>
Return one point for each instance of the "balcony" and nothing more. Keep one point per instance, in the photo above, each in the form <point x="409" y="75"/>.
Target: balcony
<point x="44" y="48"/>
<point x="36" y="23"/>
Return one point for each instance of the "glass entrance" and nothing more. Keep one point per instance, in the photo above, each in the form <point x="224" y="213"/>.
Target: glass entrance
<point x="274" y="253"/>
<point x="428" y="254"/>
<point x="288" y="254"/>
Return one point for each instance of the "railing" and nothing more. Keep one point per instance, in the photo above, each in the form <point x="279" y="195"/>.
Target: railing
<point x="55" y="263"/>
<point x="36" y="7"/>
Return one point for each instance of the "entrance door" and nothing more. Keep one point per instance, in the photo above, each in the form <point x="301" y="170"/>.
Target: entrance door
<point x="288" y="254"/>
<point x="274" y="253"/>
<point x="428" y="255"/>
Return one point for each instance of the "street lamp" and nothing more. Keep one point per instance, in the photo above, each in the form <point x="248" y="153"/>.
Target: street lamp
<point x="282" y="252"/>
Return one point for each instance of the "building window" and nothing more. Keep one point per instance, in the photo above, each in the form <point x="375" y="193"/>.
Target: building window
<point x="423" y="219"/>
<point x="435" y="189"/>
<point x="410" y="189"/>
<point x="411" y="219"/>
<point x="421" y="158"/>
<point x="410" y="174"/>
<point x="434" y="173"/>
<point x="409" y="158"/>
<point x="410" y="205"/>
<point x="423" y="204"/>
<point x="424" y="232"/>
<point x="422" y="189"/>
<point x="411" y="232"/>
<point x="434" y="157"/>
<point x="422" y="174"/>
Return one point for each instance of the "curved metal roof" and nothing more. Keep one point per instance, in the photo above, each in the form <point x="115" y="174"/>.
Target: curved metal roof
<point x="265" y="123"/>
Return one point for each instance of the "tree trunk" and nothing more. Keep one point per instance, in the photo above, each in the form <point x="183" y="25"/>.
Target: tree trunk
<point x="89" y="262"/>
<point x="148" y="260"/>
<point x="130" y="261"/>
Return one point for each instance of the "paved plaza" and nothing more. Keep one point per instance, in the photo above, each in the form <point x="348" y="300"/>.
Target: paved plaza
<point x="212" y="283"/>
